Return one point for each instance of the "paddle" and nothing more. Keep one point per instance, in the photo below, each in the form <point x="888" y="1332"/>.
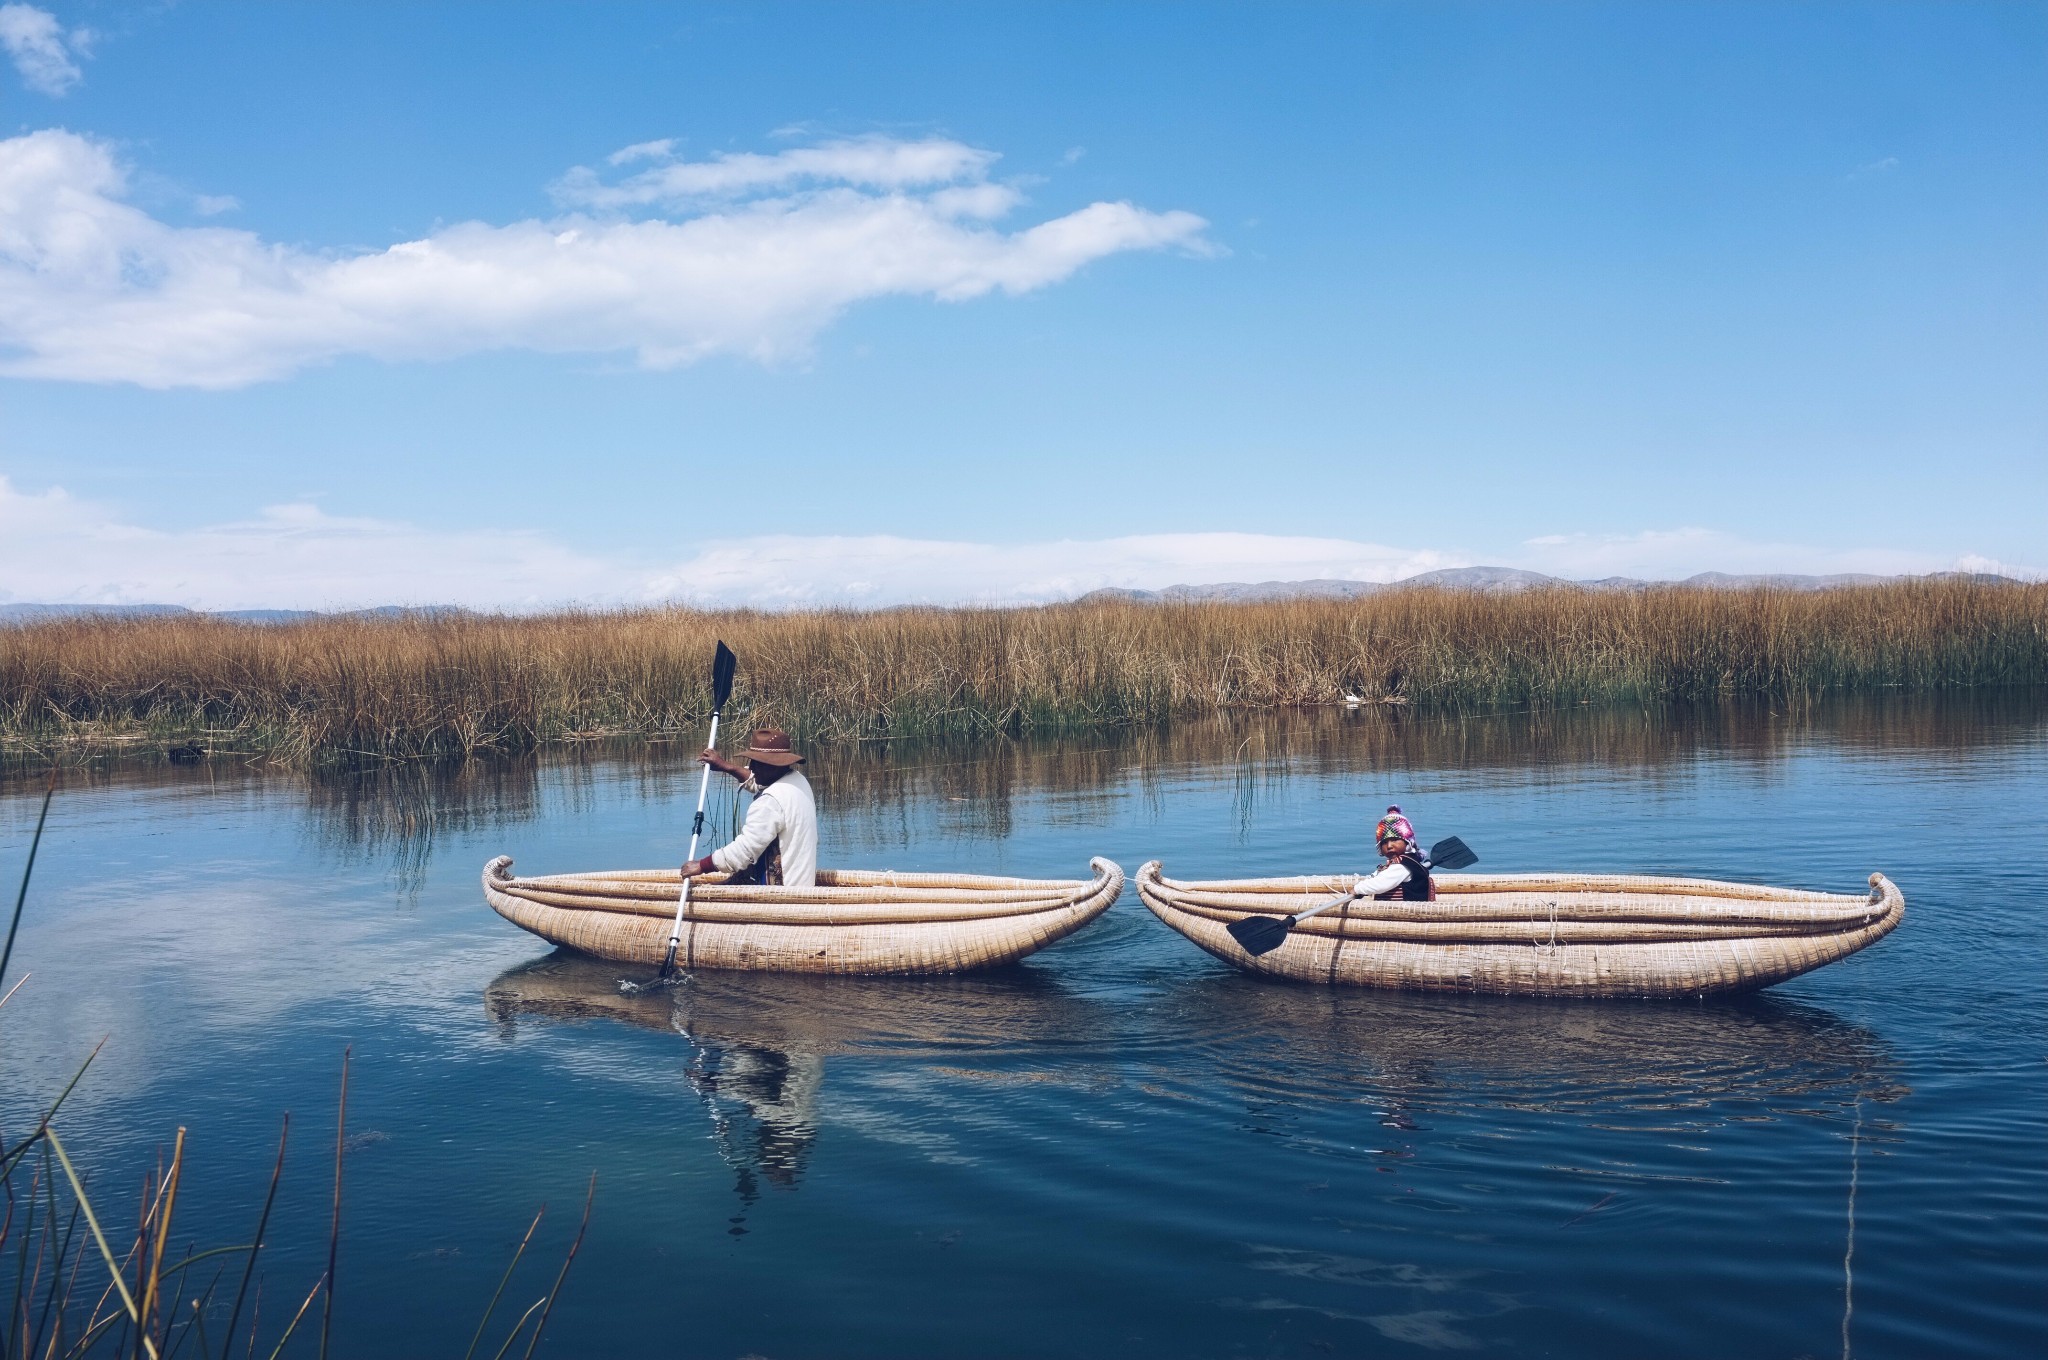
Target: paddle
<point x="722" y="667"/>
<point x="1264" y="934"/>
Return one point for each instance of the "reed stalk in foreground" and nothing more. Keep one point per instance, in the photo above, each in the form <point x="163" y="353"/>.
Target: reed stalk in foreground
<point x="66" y="1295"/>
<point x="354" y="688"/>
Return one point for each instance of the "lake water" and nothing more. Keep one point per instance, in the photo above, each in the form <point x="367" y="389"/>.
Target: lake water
<point x="1121" y="1146"/>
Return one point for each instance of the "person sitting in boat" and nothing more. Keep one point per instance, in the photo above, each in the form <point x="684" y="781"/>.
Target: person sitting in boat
<point x="1403" y="874"/>
<point x="779" y="843"/>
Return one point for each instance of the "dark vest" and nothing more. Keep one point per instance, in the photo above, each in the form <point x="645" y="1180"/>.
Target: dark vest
<point x="1419" y="887"/>
<point x="766" y="870"/>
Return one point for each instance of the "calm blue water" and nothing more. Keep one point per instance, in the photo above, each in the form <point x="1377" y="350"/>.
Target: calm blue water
<point x="1120" y="1147"/>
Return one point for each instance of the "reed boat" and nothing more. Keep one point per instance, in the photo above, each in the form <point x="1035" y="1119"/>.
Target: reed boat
<point x="1587" y="935"/>
<point x="853" y="921"/>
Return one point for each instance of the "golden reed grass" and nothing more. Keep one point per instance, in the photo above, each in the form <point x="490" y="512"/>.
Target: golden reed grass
<point x="355" y="687"/>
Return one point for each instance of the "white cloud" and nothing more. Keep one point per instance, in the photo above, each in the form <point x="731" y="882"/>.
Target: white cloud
<point x="55" y="548"/>
<point x="643" y="151"/>
<point x="870" y="162"/>
<point x="1673" y="554"/>
<point x="793" y="570"/>
<point x="94" y="289"/>
<point x="41" y="50"/>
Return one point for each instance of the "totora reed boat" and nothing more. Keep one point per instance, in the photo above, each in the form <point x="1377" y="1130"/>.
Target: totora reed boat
<point x="853" y="921"/>
<point x="1589" y="935"/>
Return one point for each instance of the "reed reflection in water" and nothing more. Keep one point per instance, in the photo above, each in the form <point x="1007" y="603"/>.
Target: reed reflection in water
<point x="875" y="791"/>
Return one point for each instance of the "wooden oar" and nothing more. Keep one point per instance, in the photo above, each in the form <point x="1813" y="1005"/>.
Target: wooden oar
<point x="723" y="663"/>
<point x="1264" y="934"/>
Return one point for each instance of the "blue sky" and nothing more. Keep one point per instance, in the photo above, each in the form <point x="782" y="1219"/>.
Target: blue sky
<point x="1005" y="303"/>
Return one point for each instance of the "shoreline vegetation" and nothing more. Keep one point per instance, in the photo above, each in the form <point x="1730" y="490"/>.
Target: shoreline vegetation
<point x="355" y="689"/>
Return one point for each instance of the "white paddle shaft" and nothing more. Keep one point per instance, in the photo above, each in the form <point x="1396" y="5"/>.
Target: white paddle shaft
<point x="1318" y="911"/>
<point x="675" y="934"/>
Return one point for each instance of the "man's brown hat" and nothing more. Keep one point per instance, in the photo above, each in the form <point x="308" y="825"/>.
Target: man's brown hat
<point x="770" y="746"/>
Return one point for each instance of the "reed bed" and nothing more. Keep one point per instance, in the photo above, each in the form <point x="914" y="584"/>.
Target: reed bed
<point x="353" y="688"/>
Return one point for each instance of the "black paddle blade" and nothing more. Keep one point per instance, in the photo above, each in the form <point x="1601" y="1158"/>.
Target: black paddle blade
<point x="1260" y="934"/>
<point x="1451" y="853"/>
<point x="722" y="667"/>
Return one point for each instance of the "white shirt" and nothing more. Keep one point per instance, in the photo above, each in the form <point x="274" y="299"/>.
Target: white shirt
<point x="784" y="811"/>
<point x="1385" y="880"/>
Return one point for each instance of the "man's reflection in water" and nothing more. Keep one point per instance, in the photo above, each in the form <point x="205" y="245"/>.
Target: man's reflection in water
<point x="763" y="1105"/>
<point x="762" y="1097"/>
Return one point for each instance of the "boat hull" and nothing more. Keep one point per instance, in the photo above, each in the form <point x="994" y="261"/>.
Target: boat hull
<point x="1536" y="934"/>
<point x="852" y="922"/>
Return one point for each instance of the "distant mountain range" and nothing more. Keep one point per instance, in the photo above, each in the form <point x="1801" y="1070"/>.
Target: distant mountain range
<point x="1491" y="580"/>
<point x="1507" y="580"/>
<point x="35" y="613"/>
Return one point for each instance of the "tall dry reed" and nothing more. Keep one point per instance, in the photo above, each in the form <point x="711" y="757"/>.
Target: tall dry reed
<point x="349" y="687"/>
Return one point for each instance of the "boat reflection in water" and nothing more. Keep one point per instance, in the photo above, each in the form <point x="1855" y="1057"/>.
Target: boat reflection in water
<point x="759" y="1040"/>
<point x="1733" y="1058"/>
<point x="1223" y="1051"/>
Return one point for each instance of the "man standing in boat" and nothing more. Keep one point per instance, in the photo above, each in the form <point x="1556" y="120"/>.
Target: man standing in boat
<point x="779" y="843"/>
<point x="1403" y="873"/>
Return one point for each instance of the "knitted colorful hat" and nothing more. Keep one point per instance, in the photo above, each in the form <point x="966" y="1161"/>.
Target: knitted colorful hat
<point x="1394" y="824"/>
